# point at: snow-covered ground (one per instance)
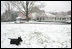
(36, 35)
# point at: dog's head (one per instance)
(19, 38)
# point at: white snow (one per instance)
(36, 35)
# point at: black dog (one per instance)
(16, 41)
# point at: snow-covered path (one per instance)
(36, 35)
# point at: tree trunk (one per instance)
(27, 11)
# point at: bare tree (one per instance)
(25, 7)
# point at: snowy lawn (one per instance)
(36, 35)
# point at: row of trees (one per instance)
(9, 16)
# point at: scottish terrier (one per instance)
(16, 41)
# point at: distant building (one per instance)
(51, 17)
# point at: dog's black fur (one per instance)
(16, 41)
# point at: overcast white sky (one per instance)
(57, 6)
(54, 6)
